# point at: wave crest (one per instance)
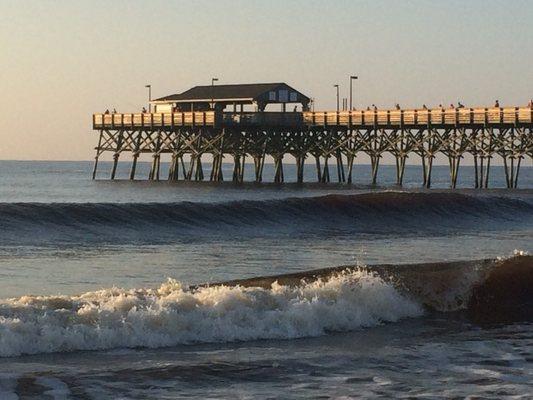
(378, 213)
(173, 314)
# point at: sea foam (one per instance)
(174, 314)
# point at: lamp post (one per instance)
(351, 91)
(213, 80)
(149, 97)
(337, 86)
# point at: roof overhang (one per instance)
(248, 99)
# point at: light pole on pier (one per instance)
(351, 90)
(337, 86)
(149, 97)
(213, 80)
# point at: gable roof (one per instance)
(225, 92)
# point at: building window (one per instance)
(283, 96)
(272, 96)
(294, 97)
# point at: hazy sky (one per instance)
(63, 60)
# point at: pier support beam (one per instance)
(400, 168)
(98, 152)
(115, 164)
(349, 161)
(278, 168)
(427, 169)
(454, 161)
(300, 162)
(133, 166)
(238, 167)
(325, 170)
(374, 161)
(341, 177)
(173, 171)
(511, 166)
(318, 168)
(156, 165)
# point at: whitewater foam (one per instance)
(173, 314)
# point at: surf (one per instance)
(288, 306)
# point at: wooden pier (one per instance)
(326, 137)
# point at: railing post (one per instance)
(516, 119)
(486, 116)
(416, 117)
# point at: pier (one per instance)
(332, 139)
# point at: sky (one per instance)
(61, 61)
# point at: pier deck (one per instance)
(481, 132)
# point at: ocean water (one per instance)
(96, 303)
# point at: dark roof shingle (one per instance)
(221, 92)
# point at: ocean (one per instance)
(111, 289)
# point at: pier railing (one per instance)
(361, 118)
(151, 120)
(450, 116)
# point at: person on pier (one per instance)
(452, 106)
(144, 110)
(114, 110)
(398, 106)
(424, 107)
(497, 104)
(374, 107)
(106, 111)
(460, 105)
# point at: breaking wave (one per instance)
(174, 314)
(376, 213)
(287, 306)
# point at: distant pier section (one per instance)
(212, 120)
